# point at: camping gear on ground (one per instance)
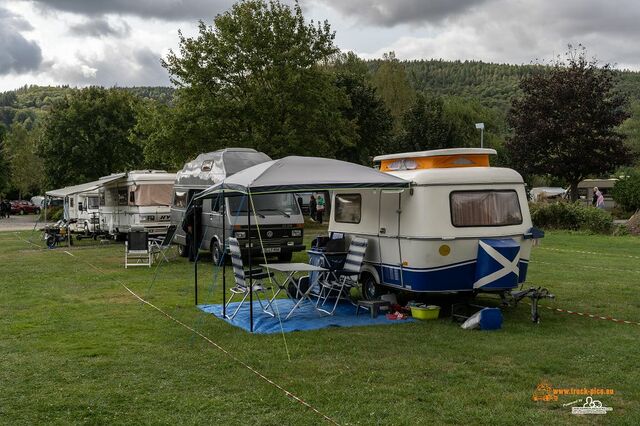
(241, 288)
(374, 306)
(55, 234)
(336, 282)
(485, 319)
(159, 246)
(390, 297)
(137, 249)
(292, 286)
(306, 317)
(425, 312)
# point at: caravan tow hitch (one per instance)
(535, 294)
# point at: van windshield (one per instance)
(266, 205)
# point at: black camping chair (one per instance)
(137, 249)
(343, 280)
(159, 246)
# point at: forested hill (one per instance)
(24, 105)
(494, 85)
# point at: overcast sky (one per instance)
(120, 42)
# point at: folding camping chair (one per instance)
(343, 279)
(241, 276)
(159, 246)
(137, 250)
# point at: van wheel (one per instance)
(371, 290)
(216, 253)
(285, 257)
(183, 251)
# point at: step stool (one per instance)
(374, 306)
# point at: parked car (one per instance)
(24, 207)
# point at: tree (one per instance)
(393, 86)
(423, 125)
(626, 191)
(86, 136)
(4, 164)
(565, 124)
(24, 164)
(366, 111)
(254, 79)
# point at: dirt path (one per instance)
(19, 223)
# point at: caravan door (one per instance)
(388, 238)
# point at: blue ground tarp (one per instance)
(306, 317)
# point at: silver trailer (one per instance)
(279, 218)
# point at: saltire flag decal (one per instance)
(498, 264)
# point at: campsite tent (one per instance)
(294, 174)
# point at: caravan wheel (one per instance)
(370, 288)
(183, 251)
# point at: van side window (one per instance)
(180, 199)
(132, 197)
(348, 208)
(485, 208)
(216, 204)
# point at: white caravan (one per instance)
(463, 226)
(140, 198)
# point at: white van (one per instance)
(278, 215)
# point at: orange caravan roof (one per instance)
(435, 159)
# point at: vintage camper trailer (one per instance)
(463, 226)
(279, 216)
(140, 198)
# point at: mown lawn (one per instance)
(76, 347)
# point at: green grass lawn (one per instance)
(76, 347)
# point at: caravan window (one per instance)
(485, 208)
(122, 196)
(158, 194)
(180, 199)
(101, 196)
(348, 208)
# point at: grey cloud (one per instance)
(395, 12)
(17, 54)
(120, 66)
(163, 9)
(100, 27)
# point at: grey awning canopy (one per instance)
(304, 174)
(83, 187)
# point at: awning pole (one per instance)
(222, 256)
(193, 247)
(249, 207)
(45, 209)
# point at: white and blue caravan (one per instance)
(463, 226)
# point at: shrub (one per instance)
(573, 216)
(626, 192)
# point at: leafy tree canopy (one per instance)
(565, 124)
(254, 79)
(86, 136)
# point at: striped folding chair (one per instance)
(241, 277)
(341, 282)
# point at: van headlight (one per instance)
(240, 234)
(296, 232)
